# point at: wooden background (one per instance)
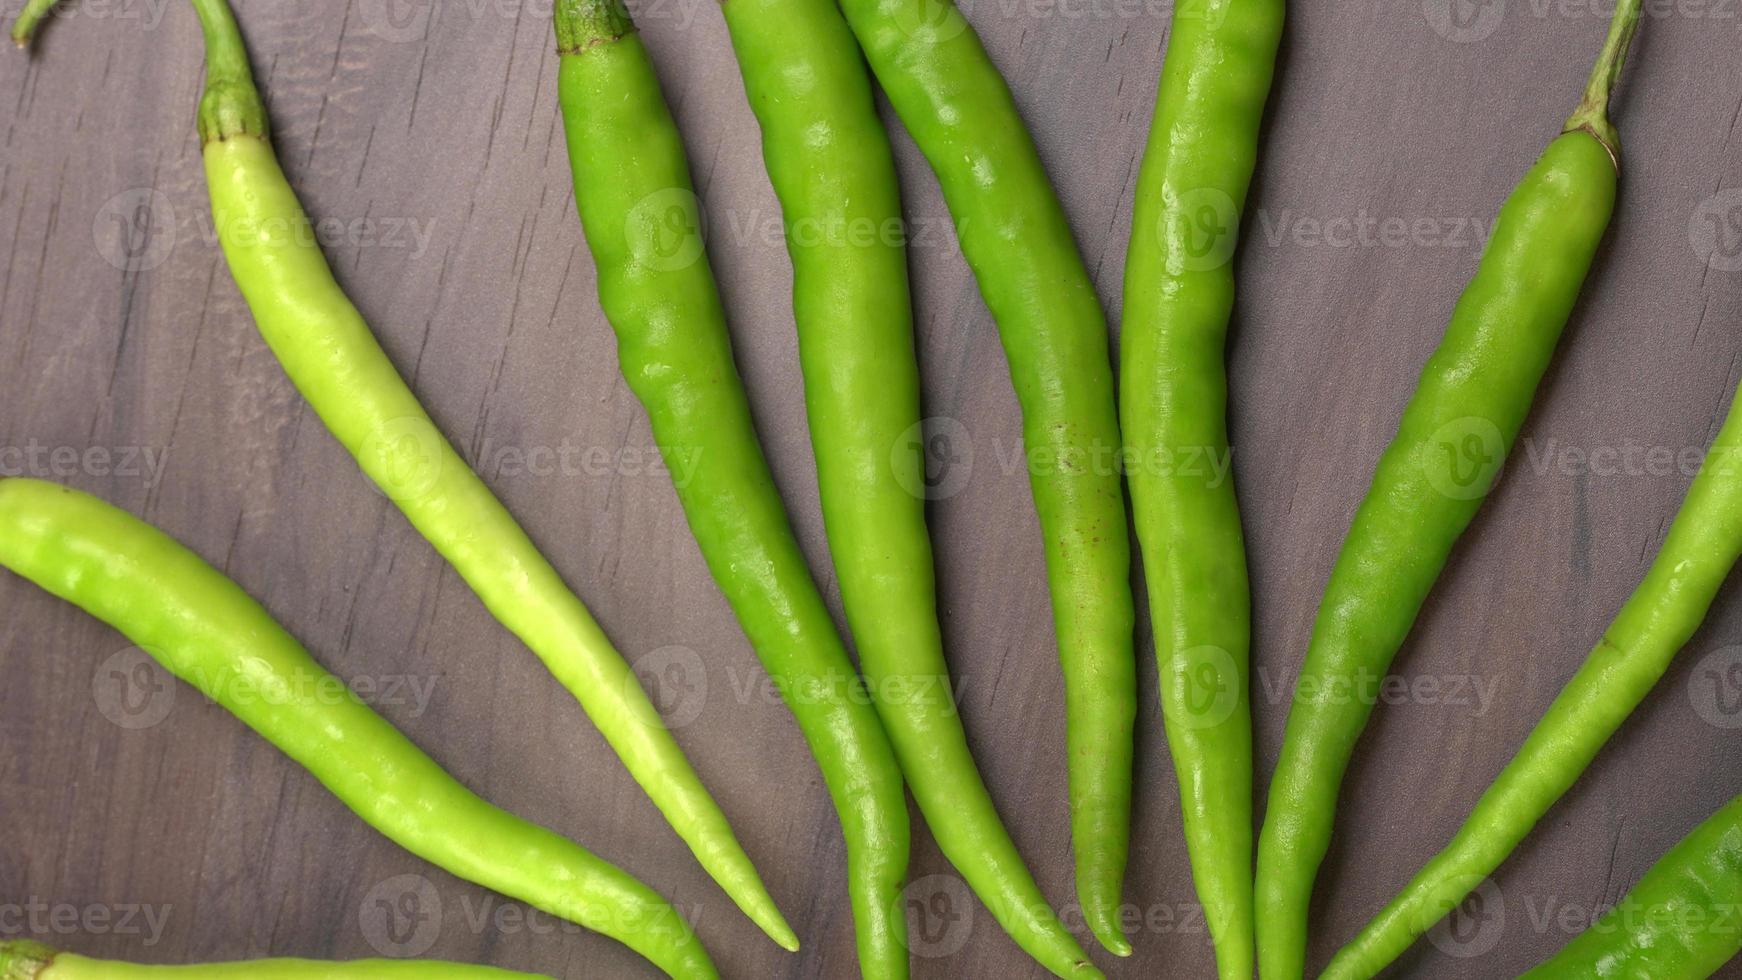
(429, 133)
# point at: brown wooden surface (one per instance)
(445, 125)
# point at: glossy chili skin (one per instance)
(828, 157)
(1683, 921)
(632, 187)
(1179, 296)
(205, 630)
(333, 358)
(20, 960)
(1455, 433)
(1701, 549)
(1013, 231)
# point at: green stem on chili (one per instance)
(1179, 296)
(642, 224)
(206, 631)
(1454, 436)
(828, 157)
(24, 960)
(1660, 617)
(1016, 238)
(1678, 923)
(338, 365)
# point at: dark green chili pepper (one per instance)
(1681, 922)
(1015, 236)
(337, 364)
(830, 162)
(23, 960)
(1455, 435)
(205, 630)
(632, 187)
(1659, 618)
(1179, 295)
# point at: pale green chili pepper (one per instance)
(335, 361)
(205, 630)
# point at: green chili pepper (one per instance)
(1179, 295)
(1015, 236)
(1454, 437)
(335, 361)
(23, 960)
(1659, 618)
(205, 630)
(830, 162)
(1681, 922)
(632, 188)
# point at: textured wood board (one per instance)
(429, 134)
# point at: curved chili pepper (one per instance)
(205, 630)
(24, 960)
(1455, 434)
(337, 364)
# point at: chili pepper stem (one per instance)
(1592, 115)
(580, 24)
(21, 959)
(22, 30)
(231, 105)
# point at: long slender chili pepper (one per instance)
(205, 630)
(829, 159)
(1681, 922)
(1455, 433)
(23, 960)
(1659, 618)
(1015, 236)
(1179, 295)
(335, 361)
(632, 187)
